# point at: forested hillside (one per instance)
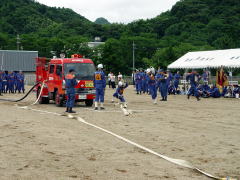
(190, 25)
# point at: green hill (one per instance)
(102, 21)
(189, 25)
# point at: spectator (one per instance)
(113, 77)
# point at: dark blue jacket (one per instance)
(99, 80)
(71, 82)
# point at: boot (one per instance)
(67, 109)
(96, 106)
(101, 106)
(188, 96)
(198, 98)
(165, 99)
(71, 111)
(155, 101)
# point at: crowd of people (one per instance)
(151, 81)
(11, 82)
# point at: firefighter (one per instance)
(194, 78)
(15, 85)
(20, 82)
(119, 93)
(99, 85)
(1, 82)
(163, 78)
(10, 86)
(71, 82)
(4, 83)
(152, 84)
(138, 79)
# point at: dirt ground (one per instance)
(39, 145)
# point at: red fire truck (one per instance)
(52, 72)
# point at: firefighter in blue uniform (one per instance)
(152, 84)
(205, 76)
(164, 80)
(144, 83)
(71, 82)
(1, 82)
(20, 82)
(176, 80)
(138, 79)
(214, 92)
(158, 77)
(194, 78)
(119, 93)
(15, 86)
(10, 86)
(100, 85)
(169, 78)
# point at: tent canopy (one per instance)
(229, 58)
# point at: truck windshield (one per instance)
(83, 71)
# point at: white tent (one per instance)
(229, 58)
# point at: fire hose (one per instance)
(27, 94)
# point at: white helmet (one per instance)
(148, 70)
(120, 83)
(152, 70)
(100, 66)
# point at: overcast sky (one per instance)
(123, 11)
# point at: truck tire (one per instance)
(89, 103)
(58, 100)
(42, 100)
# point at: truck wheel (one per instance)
(42, 100)
(58, 100)
(89, 103)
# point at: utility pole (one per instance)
(18, 42)
(133, 56)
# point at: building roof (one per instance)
(229, 58)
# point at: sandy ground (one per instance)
(36, 145)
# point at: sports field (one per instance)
(38, 144)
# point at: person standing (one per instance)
(1, 82)
(163, 78)
(100, 85)
(113, 79)
(71, 82)
(120, 76)
(193, 77)
(4, 83)
(176, 80)
(20, 82)
(10, 87)
(152, 84)
(15, 86)
(109, 79)
(138, 78)
(205, 76)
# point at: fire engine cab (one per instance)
(53, 71)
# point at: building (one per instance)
(96, 43)
(11, 60)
